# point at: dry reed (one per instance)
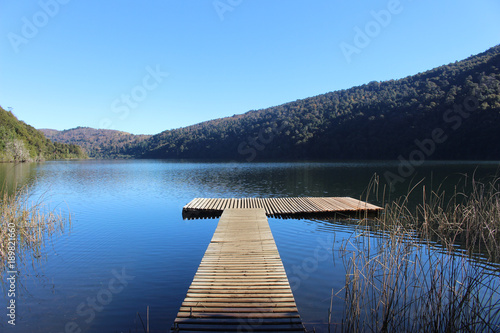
(429, 268)
(27, 225)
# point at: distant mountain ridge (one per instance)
(98, 143)
(450, 112)
(378, 120)
(20, 142)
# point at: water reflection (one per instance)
(127, 214)
(16, 175)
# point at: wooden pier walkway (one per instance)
(241, 284)
(282, 207)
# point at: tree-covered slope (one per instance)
(450, 112)
(20, 142)
(98, 143)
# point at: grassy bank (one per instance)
(429, 267)
(25, 227)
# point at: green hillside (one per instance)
(456, 106)
(20, 142)
(450, 112)
(98, 143)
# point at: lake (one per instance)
(128, 246)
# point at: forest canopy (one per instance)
(20, 142)
(450, 112)
(378, 120)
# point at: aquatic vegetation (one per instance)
(25, 227)
(433, 267)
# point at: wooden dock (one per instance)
(241, 284)
(282, 207)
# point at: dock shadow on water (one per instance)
(429, 267)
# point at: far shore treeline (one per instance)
(451, 112)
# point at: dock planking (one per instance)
(298, 207)
(241, 284)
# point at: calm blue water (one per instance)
(128, 247)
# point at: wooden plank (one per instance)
(230, 321)
(276, 207)
(218, 205)
(344, 204)
(240, 270)
(242, 274)
(208, 203)
(241, 278)
(239, 293)
(203, 203)
(212, 300)
(260, 315)
(280, 207)
(264, 205)
(212, 204)
(193, 203)
(233, 308)
(306, 205)
(285, 206)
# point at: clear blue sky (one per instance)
(147, 66)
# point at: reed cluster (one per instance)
(429, 267)
(25, 226)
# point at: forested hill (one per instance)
(456, 106)
(20, 142)
(99, 143)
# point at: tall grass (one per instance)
(429, 267)
(27, 224)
